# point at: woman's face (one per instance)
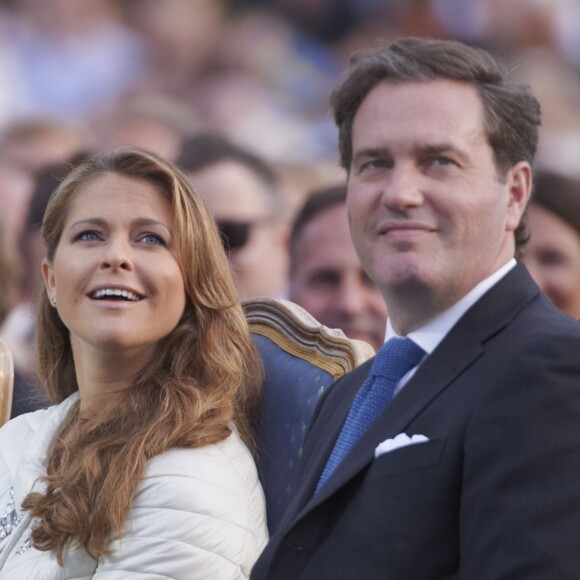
(115, 276)
(553, 258)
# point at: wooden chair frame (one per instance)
(6, 382)
(311, 358)
(297, 332)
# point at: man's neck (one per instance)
(405, 320)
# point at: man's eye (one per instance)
(324, 279)
(374, 164)
(88, 236)
(441, 161)
(552, 258)
(153, 239)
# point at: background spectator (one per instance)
(16, 187)
(155, 122)
(553, 252)
(36, 143)
(242, 192)
(73, 56)
(326, 276)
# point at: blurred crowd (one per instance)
(259, 71)
(80, 76)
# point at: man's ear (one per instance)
(519, 188)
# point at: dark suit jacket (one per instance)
(494, 494)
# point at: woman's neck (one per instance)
(102, 373)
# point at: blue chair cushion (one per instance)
(292, 387)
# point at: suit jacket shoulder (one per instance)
(493, 493)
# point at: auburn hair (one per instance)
(206, 373)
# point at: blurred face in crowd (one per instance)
(553, 258)
(430, 216)
(255, 241)
(16, 188)
(143, 132)
(327, 279)
(48, 148)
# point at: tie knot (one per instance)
(396, 358)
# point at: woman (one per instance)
(553, 253)
(142, 469)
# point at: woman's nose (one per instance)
(117, 256)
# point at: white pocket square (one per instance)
(401, 440)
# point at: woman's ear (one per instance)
(49, 281)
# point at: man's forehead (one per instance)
(407, 98)
(327, 237)
(430, 113)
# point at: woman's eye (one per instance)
(88, 236)
(153, 239)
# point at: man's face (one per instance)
(328, 280)
(234, 193)
(429, 215)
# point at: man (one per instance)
(326, 276)
(241, 191)
(471, 470)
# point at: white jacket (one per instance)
(197, 513)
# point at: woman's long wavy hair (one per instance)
(206, 373)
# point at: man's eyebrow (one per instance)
(370, 152)
(421, 148)
(440, 148)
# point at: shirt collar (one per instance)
(431, 334)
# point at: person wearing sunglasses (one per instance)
(242, 193)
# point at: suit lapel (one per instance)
(459, 349)
(432, 377)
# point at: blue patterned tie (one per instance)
(395, 359)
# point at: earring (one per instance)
(53, 300)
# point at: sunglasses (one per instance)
(235, 235)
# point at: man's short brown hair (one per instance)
(511, 112)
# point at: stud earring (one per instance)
(53, 300)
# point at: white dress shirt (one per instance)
(431, 334)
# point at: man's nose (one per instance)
(349, 297)
(402, 187)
